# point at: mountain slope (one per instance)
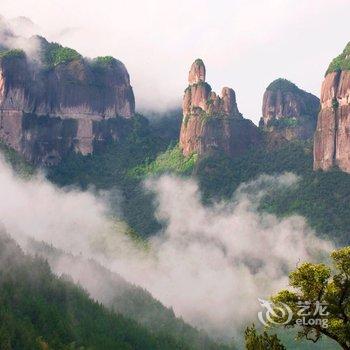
(41, 311)
(122, 297)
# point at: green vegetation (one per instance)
(341, 62)
(319, 284)
(321, 197)
(104, 60)
(172, 160)
(55, 54)
(18, 163)
(219, 176)
(41, 311)
(202, 84)
(284, 85)
(264, 341)
(199, 61)
(110, 167)
(284, 123)
(129, 300)
(335, 104)
(12, 54)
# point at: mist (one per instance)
(210, 264)
(244, 44)
(18, 34)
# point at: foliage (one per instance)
(110, 167)
(264, 341)
(341, 62)
(15, 53)
(335, 103)
(18, 163)
(172, 160)
(104, 60)
(55, 54)
(219, 176)
(199, 61)
(283, 85)
(129, 300)
(320, 284)
(322, 198)
(286, 122)
(41, 311)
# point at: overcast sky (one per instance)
(245, 44)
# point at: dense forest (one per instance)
(321, 197)
(150, 150)
(39, 310)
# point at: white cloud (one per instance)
(210, 263)
(245, 44)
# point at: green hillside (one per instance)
(39, 310)
(127, 299)
(321, 197)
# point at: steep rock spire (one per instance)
(213, 122)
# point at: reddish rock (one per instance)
(76, 94)
(212, 122)
(288, 113)
(332, 136)
(197, 72)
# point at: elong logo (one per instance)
(309, 314)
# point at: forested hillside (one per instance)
(39, 310)
(321, 197)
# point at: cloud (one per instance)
(18, 34)
(210, 263)
(245, 44)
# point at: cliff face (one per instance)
(212, 122)
(332, 136)
(75, 93)
(288, 113)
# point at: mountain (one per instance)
(122, 297)
(39, 310)
(332, 137)
(56, 101)
(288, 113)
(212, 122)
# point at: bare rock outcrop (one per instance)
(76, 93)
(288, 113)
(213, 122)
(332, 136)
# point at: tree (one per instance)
(318, 286)
(265, 341)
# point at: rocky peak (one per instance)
(213, 122)
(229, 104)
(197, 72)
(73, 93)
(288, 112)
(332, 136)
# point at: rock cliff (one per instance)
(53, 104)
(332, 136)
(212, 122)
(288, 113)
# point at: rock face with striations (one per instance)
(212, 122)
(332, 136)
(288, 113)
(61, 101)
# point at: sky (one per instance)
(245, 44)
